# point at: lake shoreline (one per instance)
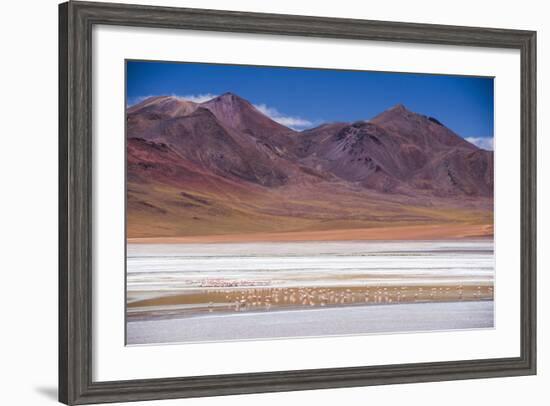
(398, 233)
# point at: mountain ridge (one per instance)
(259, 175)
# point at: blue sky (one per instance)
(303, 98)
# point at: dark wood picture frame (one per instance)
(76, 20)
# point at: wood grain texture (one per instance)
(76, 20)
(63, 364)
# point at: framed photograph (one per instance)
(257, 203)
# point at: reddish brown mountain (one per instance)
(225, 136)
(423, 131)
(163, 107)
(222, 166)
(235, 112)
(401, 151)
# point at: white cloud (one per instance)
(296, 123)
(197, 98)
(482, 142)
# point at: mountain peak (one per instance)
(228, 97)
(418, 128)
(398, 112)
(171, 106)
(399, 108)
(236, 112)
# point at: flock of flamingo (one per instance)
(254, 299)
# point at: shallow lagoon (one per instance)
(174, 283)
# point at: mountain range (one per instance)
(224, 167)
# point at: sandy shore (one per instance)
(310, 323)
(420, 232)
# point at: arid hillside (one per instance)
(223, 168)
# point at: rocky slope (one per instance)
(222, 166)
